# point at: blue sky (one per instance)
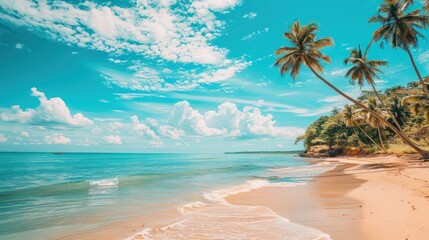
(172, 75)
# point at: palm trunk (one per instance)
(372, 140)
(357, 135)
(425, 89)
(424, 154)
(381, 140)
(386, 108)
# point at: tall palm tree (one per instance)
(305, 50)
(374, 105)
(350, 120)
(366, 70)
(401, 28)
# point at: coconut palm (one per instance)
(365, 70)
(425, 4)
(373, 121)
(398, 110)
(350, 120)
(305, 50)
(401, 27)
(418, 104)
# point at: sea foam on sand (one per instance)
(215, 218)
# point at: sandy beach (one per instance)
(384, 197)
(377, 197)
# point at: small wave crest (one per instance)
(105, 183)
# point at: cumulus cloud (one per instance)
(116, 140)
(191, 121)
(151, 28)
(143, 129)
(25, 134)
(57, 138)
(2, 138)
(228, 121)
(51, 111)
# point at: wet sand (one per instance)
(322, 204)
(384, 197)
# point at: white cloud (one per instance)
(116, 140)
(19, 46)
(25, 134)
(228, 121)
(250, 15)
(423, 59)
(254, 34)
(338, 72)
(57, 138)
(191, 121)
(51, 111)
(144, 78)
(156, 144)
(143, 129)
(2, 138)
(150, 28)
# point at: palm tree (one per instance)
(398, 110)
(365, 69)
(305, 50)
(400, 27)
(418, 104)
(374, 105)
(425, 4)
(350, 120)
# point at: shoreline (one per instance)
(381, 197)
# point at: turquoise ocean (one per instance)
(44, 195)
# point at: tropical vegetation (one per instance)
(375, 120)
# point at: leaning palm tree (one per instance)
(350, 120)
(371, 120)
(401, 28)
(305, 50)
(365, 70)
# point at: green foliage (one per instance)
(350, 128)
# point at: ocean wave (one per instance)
(303, 173)
(105, 183)
(215, 218)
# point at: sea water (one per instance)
(43, 195)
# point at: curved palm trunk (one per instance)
(423, 153)
(372, 140)
(381, 139)
(425, 89)
(386, 108)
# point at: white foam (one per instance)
(190, 206)
(304, 173)
(218, 196)
(105, 183)
(217, 219)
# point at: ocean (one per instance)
(45, 195)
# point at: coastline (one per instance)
(377, 197)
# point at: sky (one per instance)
(173, 75)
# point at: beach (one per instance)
(377, 197)
(255, 197)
